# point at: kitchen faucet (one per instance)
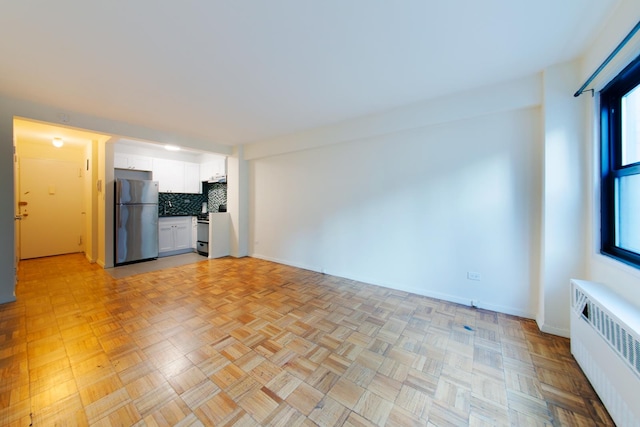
(167, 202)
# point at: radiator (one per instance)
(605, 340)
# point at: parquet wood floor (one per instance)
(244, 342)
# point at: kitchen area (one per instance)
(183, 194)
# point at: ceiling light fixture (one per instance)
(57, 142)
(170, 147)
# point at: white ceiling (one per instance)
(241, 71)
(43, 133)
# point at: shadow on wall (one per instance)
(415, 210)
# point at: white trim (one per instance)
(417, 291)
(554, 330)
(289, 263)
(614, 263)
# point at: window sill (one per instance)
(615, 263)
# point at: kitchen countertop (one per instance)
(169, 215)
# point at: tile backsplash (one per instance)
(180, 203)
(217, 195)
(214, 195)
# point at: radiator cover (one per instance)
(605, 340)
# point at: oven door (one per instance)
(203, 231)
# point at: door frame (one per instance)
(17, 212)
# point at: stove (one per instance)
(202, 244)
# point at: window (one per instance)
(620, 134)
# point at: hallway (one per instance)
(250, 342)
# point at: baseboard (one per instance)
(553, 330)
(418, 291)
(292, 264)
(439, 295)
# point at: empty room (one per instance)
(337, 213)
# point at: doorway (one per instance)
(50, 201)
(58, 188)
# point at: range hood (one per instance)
(219, 178)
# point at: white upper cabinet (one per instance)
(191, 177)
(212, 167)
(175, 176)
(169, 174)
(120, 161)
(175, 173)
(132, 161)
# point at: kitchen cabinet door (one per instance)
(132, 161)
(183, 234)
(169, 174)
(194, 232)
(213, 168)
(205, 171)
(220, 167)
(192, 178)
(165, 236)
(174, 235)
(140, 163)
(120, 161)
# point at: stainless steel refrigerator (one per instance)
(136, 221)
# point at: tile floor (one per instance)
(123, 271)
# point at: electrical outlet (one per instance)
(474, 275)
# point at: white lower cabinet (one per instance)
(174, 235)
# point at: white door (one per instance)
(51, 195)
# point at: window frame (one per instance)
(611, 160)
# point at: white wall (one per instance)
(414, 209)
(564, 197)
(621, 278)
(348, 194)
(92, 241)
(28, 148)
(238, 202)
